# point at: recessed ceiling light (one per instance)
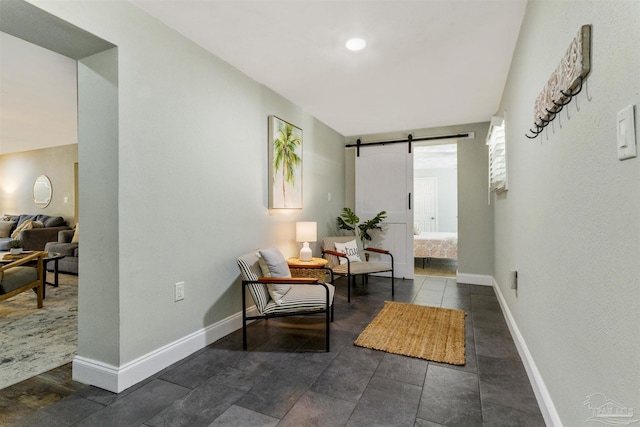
(355, 44)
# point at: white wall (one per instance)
(570, 222)
(189, 187)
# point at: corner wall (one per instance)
(189, 192)
(570, 222)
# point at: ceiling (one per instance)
(427, 63)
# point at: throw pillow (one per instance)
(263, 265)
(5, 228)
(277, 267)
(27, 225)
(76, 234)
(350, 249)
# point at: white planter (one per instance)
(16, 251)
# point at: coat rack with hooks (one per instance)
(565, 82)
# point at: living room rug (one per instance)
(425, 332)
(32, 340)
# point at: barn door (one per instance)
(384, 182)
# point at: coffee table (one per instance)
(55, 257)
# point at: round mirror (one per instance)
(42, 191)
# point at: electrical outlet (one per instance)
(179, 291)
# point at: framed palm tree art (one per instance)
(285, 165)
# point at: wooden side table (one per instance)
(313, 268)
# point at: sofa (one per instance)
(33, 239)
(68, 248)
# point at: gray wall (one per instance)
(475, 216)
(180, 190)
(18, 171)
(570, 221)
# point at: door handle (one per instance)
(409, 201)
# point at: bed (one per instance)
(435, 245)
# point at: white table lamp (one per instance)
(306, 232)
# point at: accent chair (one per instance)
(17, 277)
(282, 296)
(351, 260)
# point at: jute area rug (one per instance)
(430, 333)
(32, 340)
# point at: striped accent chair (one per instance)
(306, 295)
(350, 268)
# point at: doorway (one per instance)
(97, 69)
(436, 209)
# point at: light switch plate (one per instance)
(626, 132)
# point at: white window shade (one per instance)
(497, 156)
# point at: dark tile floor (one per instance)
(285, 378)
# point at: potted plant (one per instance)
(15, 246)
(348, 220)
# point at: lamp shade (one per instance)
(306, 231)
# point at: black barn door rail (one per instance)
(410, 139)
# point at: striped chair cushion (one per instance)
(302, 298)
(299, 297)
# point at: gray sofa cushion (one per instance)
(66, 249)
(4, 243)
(46, 220)
(16, 277)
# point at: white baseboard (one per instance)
(119, 378)
(474, 279)
(543, 397)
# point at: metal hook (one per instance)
(553, 114)
(546, 122)
(571, 95)
(561, 104)
(535, 132)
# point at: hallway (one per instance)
(286, 379)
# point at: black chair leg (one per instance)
(393, 289)
(328, 329)
(244, 335)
